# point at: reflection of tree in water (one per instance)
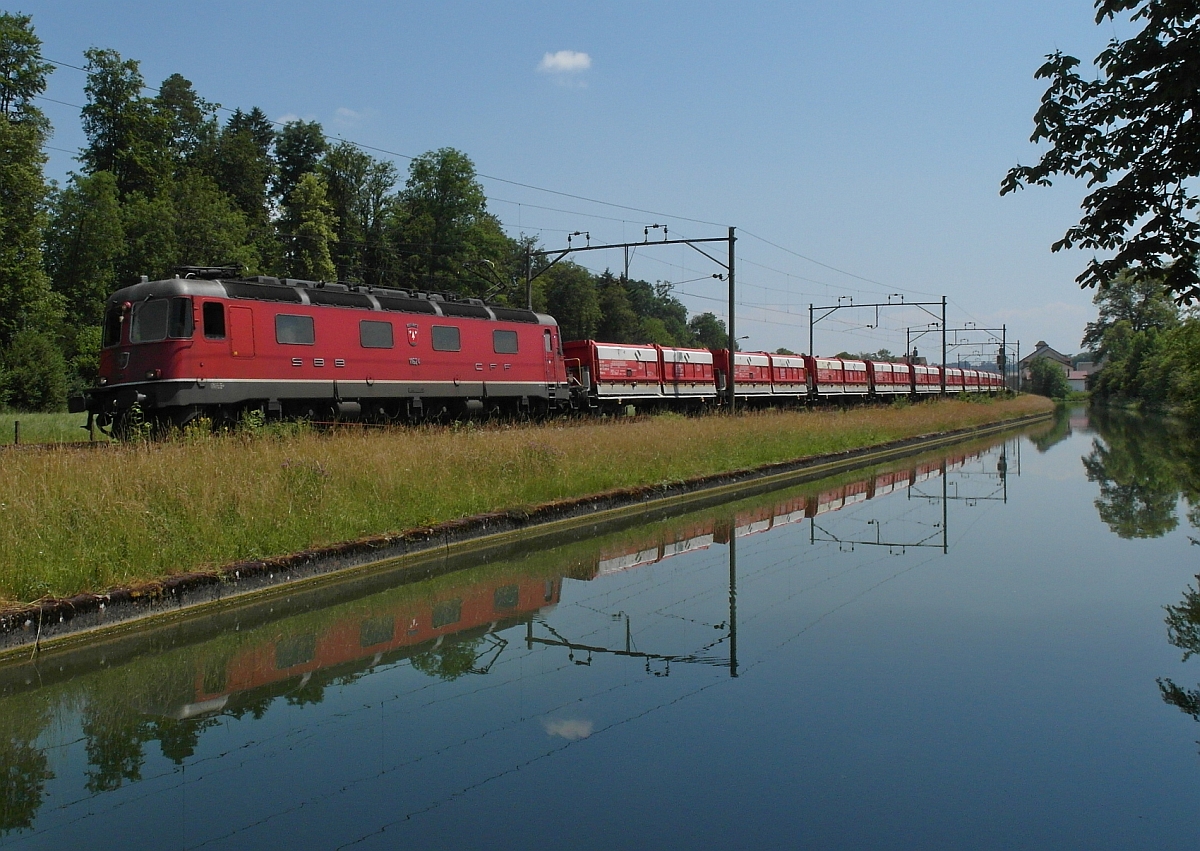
(24, 768)
(130, 707)
(1060, 430)
(1183, 630)
(1143, 466)
(449, 661)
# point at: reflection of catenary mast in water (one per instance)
(766, 517)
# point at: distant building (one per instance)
(1043, 350)
(1077, 379)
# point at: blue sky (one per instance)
(869, 136)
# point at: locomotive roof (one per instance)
(288, 290)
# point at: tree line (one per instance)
(168, 179)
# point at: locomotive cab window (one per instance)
(149, 321)
(112, 326)
(504, 342)
(180, 323)
(294, 330)
(213, 316)
(375, 335)
(446, 339)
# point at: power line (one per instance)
(561, 194)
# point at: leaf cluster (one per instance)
(1133, 134)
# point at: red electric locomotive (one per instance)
(215, 346)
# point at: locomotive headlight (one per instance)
(154, 373)
(103, 381)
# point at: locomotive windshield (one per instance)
(159, 318)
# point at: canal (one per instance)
(985, 647)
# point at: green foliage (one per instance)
(25, 295)
(188, 122)
(441, 219)
(360, 195)
(209, 229)
(1130, 131)
(23, 72)
(784, 351)
(709, 331)
(126, 135)
(298, 151)
(84, 243)
(310, 223)
(618, 321)
(571, 297)
(33, 374)
(1047, 378)
(1137, 299)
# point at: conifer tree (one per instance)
(25, 296)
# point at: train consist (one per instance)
(216, 346)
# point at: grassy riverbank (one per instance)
(87, 521)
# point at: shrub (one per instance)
(33, 374)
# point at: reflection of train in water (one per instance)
(371, 635)
(431, 619)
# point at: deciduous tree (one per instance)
(1133, 133)
(310, 228)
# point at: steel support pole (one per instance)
(810, 331)
(1004, 351)
(732, 333)
(943, 345)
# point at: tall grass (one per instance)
(72, 521)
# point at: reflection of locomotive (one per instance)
(209, 345)
(373, 635)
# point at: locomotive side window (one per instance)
(446, 339)
(375, 335)
(504, 342)
(549, 344)
(294, 330)
(180, 323)
(112, 326)
(214, 320)
(149, 321)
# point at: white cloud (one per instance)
(287, 118)
(348, 114)
(571, 730)
(565, 62)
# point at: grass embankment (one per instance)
(46, 428)
(72, 522)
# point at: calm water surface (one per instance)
(981, 649)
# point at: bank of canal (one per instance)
(860, 433)
(983, 647)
